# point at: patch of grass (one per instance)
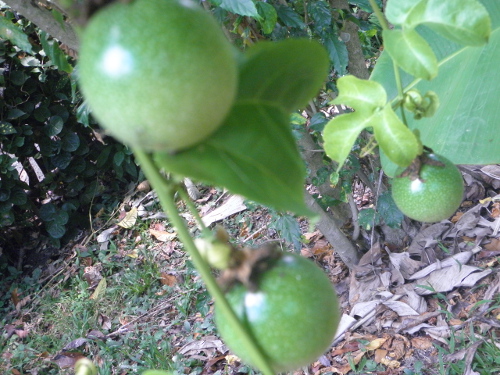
(160, 317)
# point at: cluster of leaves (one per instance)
(52, 166)
(466, 22)
(277, 20)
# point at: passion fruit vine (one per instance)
(430, 190)
(159, 75)
(292, 313)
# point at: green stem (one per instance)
(397, 76)
(166, 190)
(399, 85)
(191, 207)
(380, 16)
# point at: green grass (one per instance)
(63, 312)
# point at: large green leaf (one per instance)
(411, 52)
(287, 73)
(463, 21)
(253, 154)
(52, 50)
(15, 34)
(241, 7)
(465, 127)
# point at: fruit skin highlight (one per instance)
(433, 197)
(293, 315)
(158, 75)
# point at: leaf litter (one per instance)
(400, 305)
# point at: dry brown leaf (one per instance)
(422, 343)
(162, 236)
(67, 359)
(104, 321)
(14, 297)
(166, 279)
(375, 344)
(75, 344)
(380, 355)
(494, 245)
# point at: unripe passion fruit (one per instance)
(159, 75)
(293, 315)
(434, 196)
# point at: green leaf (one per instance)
(253, 154)
(411, 52)
(118, 158)
(465, 127)
(70, 142)
(287, 73)
(367, 218)
(241, 7)
(387, 209)
(337, 51)
(15, 34)
(268, 17)
(397, 141)
(398, 11)
(321, 13)
(462, 21)
(61, 160)
(47, 212)
(289, 17)
(55, 229)
(341, 133)
(18, 196)
(289, 229)
(360, 94)
(6, 128)
(15, 113)
(54, 126)
(54, 53)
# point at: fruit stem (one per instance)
(191, 207)
(166, 191)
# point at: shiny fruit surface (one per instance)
(292, 316)
(158, 75)
(434, 196)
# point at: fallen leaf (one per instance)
(162, 235)
(67, 359)
(75, 344)
(99, 291)
(130, 218)
(375, 344)
(167, 279)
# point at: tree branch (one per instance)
(45, 21)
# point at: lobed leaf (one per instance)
(340, 134)
(360, 94)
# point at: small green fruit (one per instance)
(293, 315)
(159, 75)
(435, 196)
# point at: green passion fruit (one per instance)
(158, 75)
(292, 315)
(433, 196)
